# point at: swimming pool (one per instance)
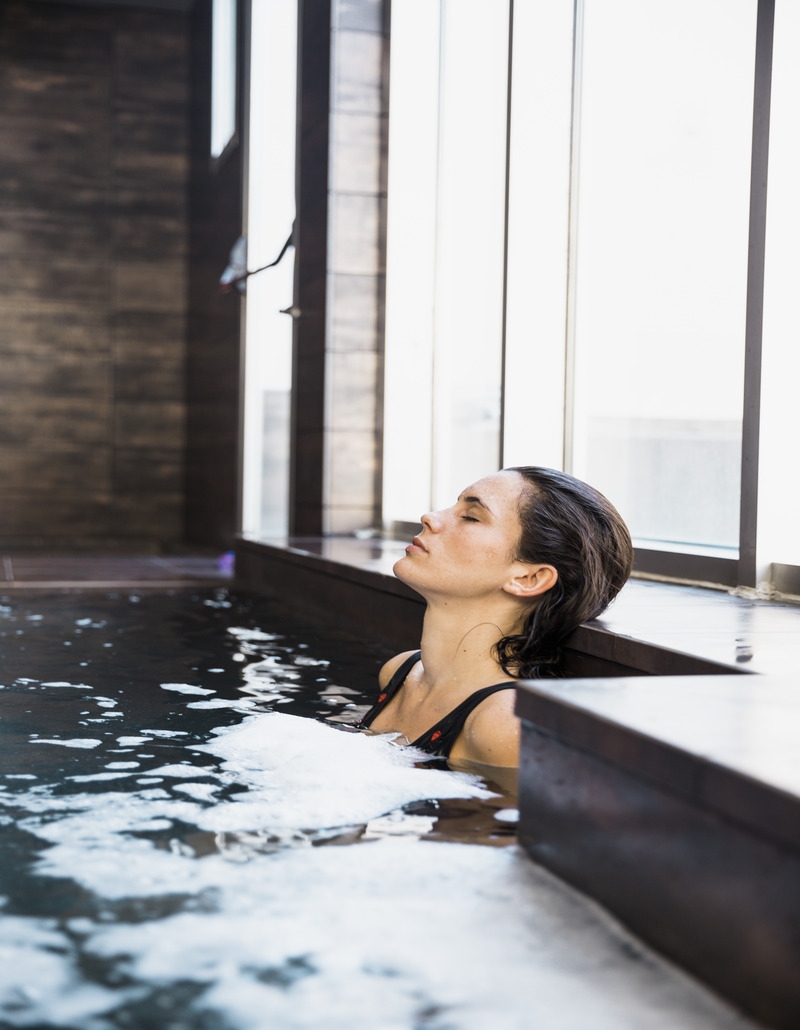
(189, 840)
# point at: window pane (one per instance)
(445, 243)
(410, 259)
(470, 244)
(538, 233)
(270, 213)
(665, 126)
(223, 75)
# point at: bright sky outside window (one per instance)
(665, 128)
(628, 208)
(223, 75)
(538, 233)
(270, 214)
(445, 245)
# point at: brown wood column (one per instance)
(93, 226)
(311, 242)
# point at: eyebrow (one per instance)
(471, 499)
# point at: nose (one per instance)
(431, 520)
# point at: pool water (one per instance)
(193, 835)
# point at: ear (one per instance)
(529, 581)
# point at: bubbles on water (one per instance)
(81, 742)
(185, 688)
(252, 635)
(219, 881)
(507, 815)
(61, 683)
(97, 777)
(234, 705)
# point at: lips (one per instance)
(417, 544)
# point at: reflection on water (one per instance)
(192, 836)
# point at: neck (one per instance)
(458, 639)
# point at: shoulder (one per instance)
(391, 667)
(491, 733)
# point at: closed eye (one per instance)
(468, 518)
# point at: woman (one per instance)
(508, 572)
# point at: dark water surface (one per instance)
(108, 695)
(193, 836)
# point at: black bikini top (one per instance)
(439, 739)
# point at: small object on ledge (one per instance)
(225, 563)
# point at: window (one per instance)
(269, 218)
(579, 248)
(223, 76)
(445, 249)
(664, 119)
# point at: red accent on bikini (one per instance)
(381, 699)
(436, 735)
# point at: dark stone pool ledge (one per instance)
(662, 779)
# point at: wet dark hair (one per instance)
(567, 524)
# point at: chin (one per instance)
(404, 571)
(399, 566)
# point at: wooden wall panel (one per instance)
(94, 166)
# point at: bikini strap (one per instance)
(439, 739)
(390, 689)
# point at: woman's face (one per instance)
(469, 549)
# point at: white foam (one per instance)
(185, 688)
(189, 772)
(85, 742)
(241, 704)
(507, 815)
(200, 791)
(375, 935)
(284, 934)
(302, 773)
(250, 635)
(39, 980)
(61, 683)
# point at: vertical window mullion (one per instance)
(748, 571)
